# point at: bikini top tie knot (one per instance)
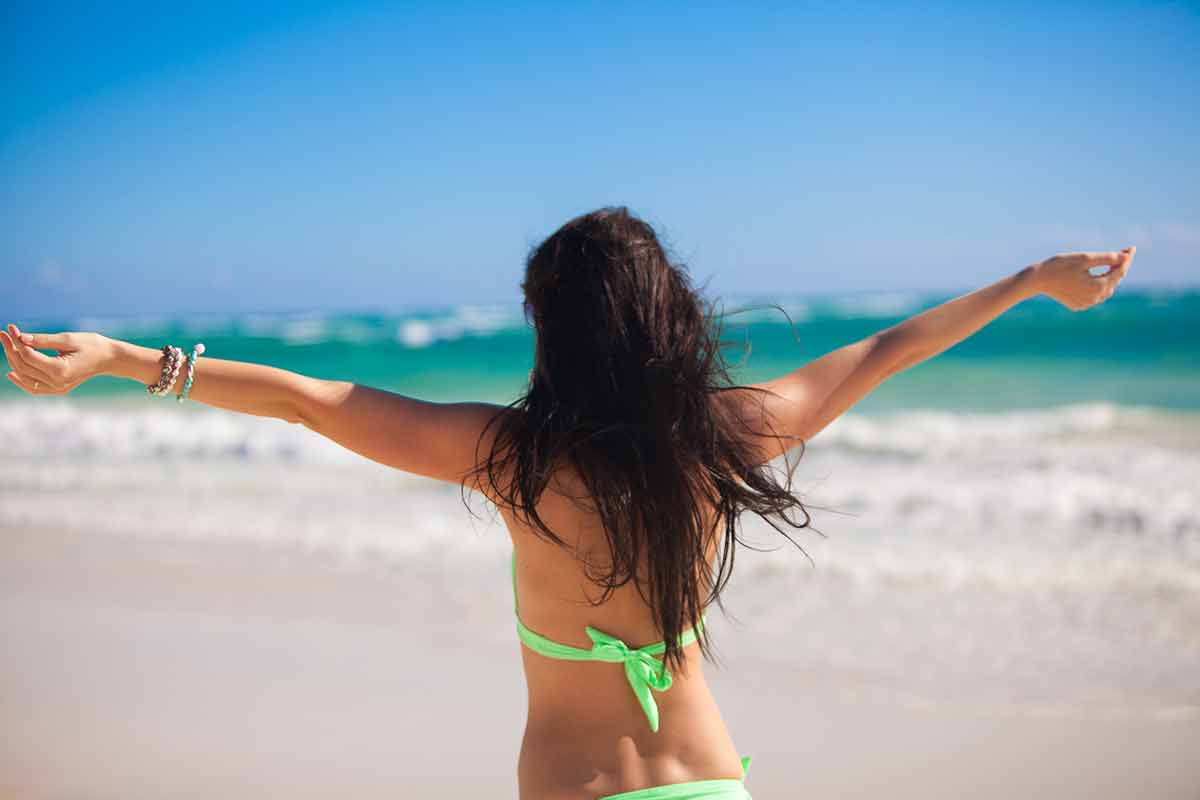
(644, 672)
(642, 669)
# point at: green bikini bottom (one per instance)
(714, 789)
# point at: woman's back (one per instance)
(586, 735)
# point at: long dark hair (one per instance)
(630, 387)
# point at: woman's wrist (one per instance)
(1029, 280)
(128, 360)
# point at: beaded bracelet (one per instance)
(197, 350)
(170, 371)
(164, 376)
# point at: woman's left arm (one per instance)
(437, 440)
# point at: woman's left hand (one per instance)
(80, 356)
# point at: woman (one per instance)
(625, 466)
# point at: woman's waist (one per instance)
(591, 756)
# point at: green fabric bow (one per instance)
(644, 671)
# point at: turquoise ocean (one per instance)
(1140, 348)
(1015, 521)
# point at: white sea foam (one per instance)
(128, 326)
(1117, 473)
(305, 330)
(765, 311)
(878, 304)
(938, 433)
(1038, 556)
(461, 321)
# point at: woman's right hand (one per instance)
(80, 356)
(1067, 278)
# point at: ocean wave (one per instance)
(937, 433)
(1048, 556)
(118, 326)
(69, 426)
(61, 428)
(764, 311)
(1120, 473)
(412, 329)
(462, 321)
(873, 305)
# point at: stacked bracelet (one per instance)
(197, 350)
(170, 371)
(168, 363)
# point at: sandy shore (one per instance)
(139, 668)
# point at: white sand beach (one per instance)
(135, 667)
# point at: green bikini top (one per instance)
(644, 671)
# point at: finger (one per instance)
(1116, 266)
(16, 353)
(50, 365)
(1122, 265)
(26, 384)
(45, 341)
(1102, 259)
(10, 350)
(1114, 275)
(7, 343)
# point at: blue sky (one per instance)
(232, 157)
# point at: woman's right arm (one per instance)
(798, 405)
(436, 440)
(244, 387)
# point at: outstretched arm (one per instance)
(436, 440)
(798, 405)
(1066, 278)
